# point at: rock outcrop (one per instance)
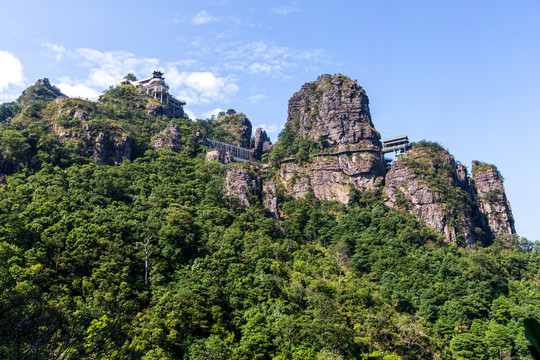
(157, 109)
(169, 139)
(331, 177)
(270, 199)
(427, 182)
(215, 155)
(332, 112)
(240, 182)
(234, 129)
(261, 143)
(333, 109)
(494, 207)
(41, 90)
(330, 147)
(111, 148)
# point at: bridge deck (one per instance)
(389, 149)
(239, 153)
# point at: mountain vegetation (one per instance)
(111, 248)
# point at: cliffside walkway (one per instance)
(239, 153)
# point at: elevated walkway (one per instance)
(239, 153)
(397, 145)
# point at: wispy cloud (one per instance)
(104, 69)
(265, 59)
(257, 98)
(287, 9)
(107, 68)
(53, 51)
(203, 18)
(11, 73)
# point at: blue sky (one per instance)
(463, 73)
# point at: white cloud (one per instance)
(200, 87)
(107, 68)
(184, 63)
(257, 98)
(191, 115)
(11, 70)
(55, 51)
(287, 9)
(211, 113)
(203, 18)
(268, 60)
(78, 90)
(104, 69)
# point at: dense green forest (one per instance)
(147, 259)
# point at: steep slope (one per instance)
(172, 256)
(329, 143)
(427, 182)
(334, 111)
(495, 210)
(233, 128)
(46, 126)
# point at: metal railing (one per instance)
(239, 153)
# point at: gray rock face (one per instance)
(261, 143)
(406, 189)
(215, 155)
(439, 192)
(43, 82)
(239, 182)
(158, 110)
(111, 148)
(336, 109)
(270, 199)
(169, 139)
(331, 177)
(491, 198)
(81, 116)
(234, 129)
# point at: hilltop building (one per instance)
(157, 87)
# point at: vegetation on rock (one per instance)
(149, 260)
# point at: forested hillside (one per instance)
(111, 248)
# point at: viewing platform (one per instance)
(156, 87)
(397, 145)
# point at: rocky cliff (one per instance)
(41, 90)
(260, 143)
(241, 183)
(427, 182)
(233, 128)
(169, 139)
(494, 207)
(332, 140)
(334, 110)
